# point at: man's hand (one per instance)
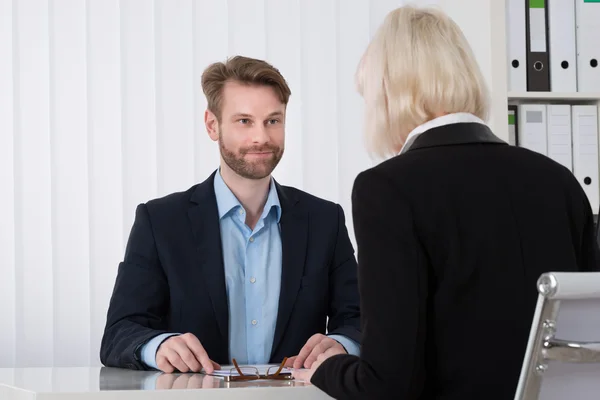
(318, 344)
(184, 353)
(305, 375)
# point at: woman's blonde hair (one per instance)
(418, 66)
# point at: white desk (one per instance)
(98, 383)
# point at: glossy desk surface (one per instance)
(111, 384)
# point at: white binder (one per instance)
(563, 53)
(512, 126)
(588, 47)
(585, 151)
(532, 128)
(516, 47)
(559, 134)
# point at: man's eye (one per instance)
(273, 121)
(244, 120)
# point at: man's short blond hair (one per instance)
(241, 69)
(419, 65)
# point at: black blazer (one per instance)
(452, 236)
(172, 278)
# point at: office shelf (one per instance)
(579, 96)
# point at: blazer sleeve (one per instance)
(344, 302)
(589, 252)
(392, 274)
(139, 301)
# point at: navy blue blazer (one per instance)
(172, 277)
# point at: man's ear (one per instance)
(212, 125)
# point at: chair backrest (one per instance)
(562, 360)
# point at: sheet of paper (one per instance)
(229, 370)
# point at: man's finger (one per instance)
(164, 365)
(196, 347)
(318, 349)
(307, 349)
(186, 355)
(175, 360)
(322, 357)
(332, 351)
(290, 362)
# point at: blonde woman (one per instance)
(453, 231)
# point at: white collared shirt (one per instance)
(436, 122)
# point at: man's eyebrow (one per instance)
(244, 115)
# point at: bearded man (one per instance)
(238, 266)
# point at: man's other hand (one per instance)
(184, 353)
(318, 344)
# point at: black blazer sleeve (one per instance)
(344, 314)
(589, 253)
(139, 300)
(393, 278)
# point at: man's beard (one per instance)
(258, 169)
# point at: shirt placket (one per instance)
(254, 294)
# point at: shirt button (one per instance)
(251, 239)
(254, 322)
(252, 280)
(241, 212)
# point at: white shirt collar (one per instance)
(436, 122)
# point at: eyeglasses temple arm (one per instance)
(235, 364)
(280, 367)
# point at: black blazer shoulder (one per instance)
(430, 144)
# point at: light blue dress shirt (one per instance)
(252, 261)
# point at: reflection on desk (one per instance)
(116, 384)
(119, 379)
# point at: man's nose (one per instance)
(260, 135)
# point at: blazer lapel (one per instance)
(204, 219)
(294, 238)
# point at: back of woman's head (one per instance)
(418, 66)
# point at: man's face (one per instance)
(251, 132)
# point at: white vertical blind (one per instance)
(139, 105)
(211, 42)
(247, 30)
(101, 109)
(69, 179)
(105, 163)
(353, 34)
(7, 183)
(319, 60)
(174, 94)
(283, 50)
(35, 272)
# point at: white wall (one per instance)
(101, 109)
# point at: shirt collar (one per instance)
(226, 200)
(436, 122)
